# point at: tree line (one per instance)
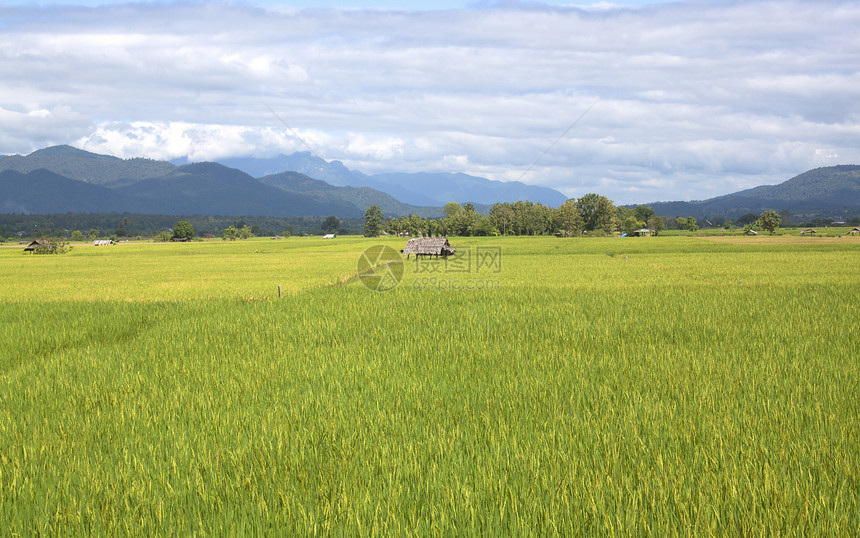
(129, 225)
(589, 214)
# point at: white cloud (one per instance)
(690, 99)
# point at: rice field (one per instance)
(528, 386)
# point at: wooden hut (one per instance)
(644, 232)
(33, 246)
(808, 231)
(428, 246)
(855, 231)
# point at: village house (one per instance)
(428, 246)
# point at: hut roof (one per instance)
(808, 231)
(32, 246)
(855, 231)
(438, 246)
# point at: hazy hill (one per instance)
(205, 189)
(214, 189)
(824, 192)
(87, 167)
(43, 191)
(463, 188)
(833, 185)
(417, 189)
(143, 186)
(362, 197)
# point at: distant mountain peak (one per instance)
(65, 150)
(85, 166)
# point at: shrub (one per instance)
(52, 245)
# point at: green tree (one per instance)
(434, 227)
(93, 234)
(483, 226)
(691, 225)
(122, 231)
(372, 221)
(658, 224)
(163, 236)
(245, 232)
(751, 227)
(643, 213)
(452, 208)
(569, 218)
(230, 233)
(597, 212)
(502, 215)
(631, 224)
(770, 221)
(530, 218)
(77, 235)
(183, 230)
(621, 214)
(331, 224)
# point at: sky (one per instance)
(639, 101)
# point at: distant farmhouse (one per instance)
(46, 246)
(428, 246)
(34, 245)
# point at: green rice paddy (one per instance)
(538, 386)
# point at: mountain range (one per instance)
(63, 179)
(416, 189)
(833, 191)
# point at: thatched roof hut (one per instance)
(34, 245)
(855, 231)
(809, 231)
(428, 246)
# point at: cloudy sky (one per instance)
(640, 101)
